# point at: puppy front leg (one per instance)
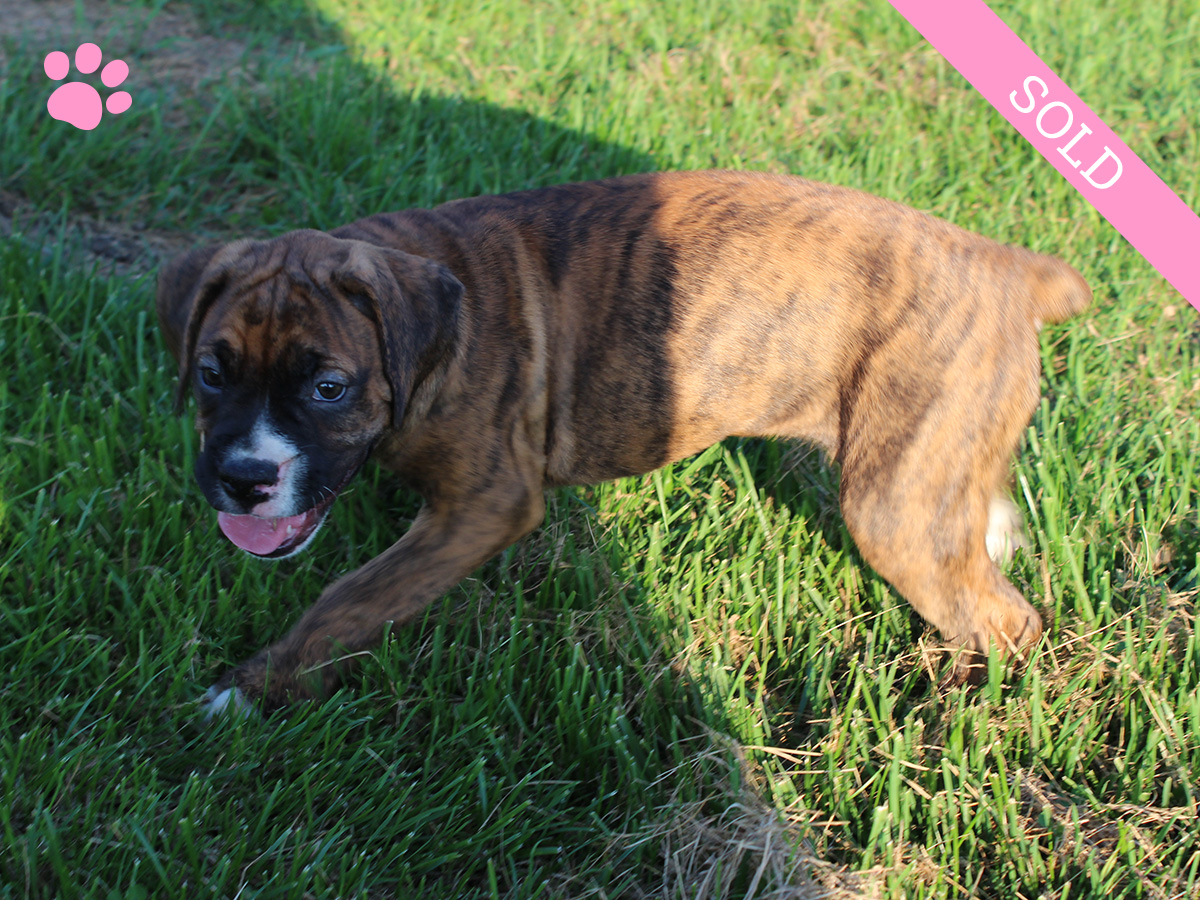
(446, 542)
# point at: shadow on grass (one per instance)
(251, 132)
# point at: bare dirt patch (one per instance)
(167, 48)
(169, 45)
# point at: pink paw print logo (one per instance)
(77, 102)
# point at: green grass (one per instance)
(684, 685)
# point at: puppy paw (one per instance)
(1012, 637)
(261, 686)
(1016, 630)
(226, 702)
(1001, 620)
(967, 669)
(1012, 630)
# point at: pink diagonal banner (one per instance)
(1064, 129)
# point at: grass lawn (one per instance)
(686, 685)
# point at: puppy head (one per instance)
(301, 352)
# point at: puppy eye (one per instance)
(329, 391)
(211, 377)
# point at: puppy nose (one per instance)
(244, 477)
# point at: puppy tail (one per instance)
(1058, 291)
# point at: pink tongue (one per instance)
(259, 536)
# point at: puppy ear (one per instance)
(182, 300)
(415, 304)
(177, 283)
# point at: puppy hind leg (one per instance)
(925, 532)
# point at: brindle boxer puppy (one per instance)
(493, 347)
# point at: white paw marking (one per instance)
(1006, 530)
(229, 702)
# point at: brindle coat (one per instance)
(500, 345)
